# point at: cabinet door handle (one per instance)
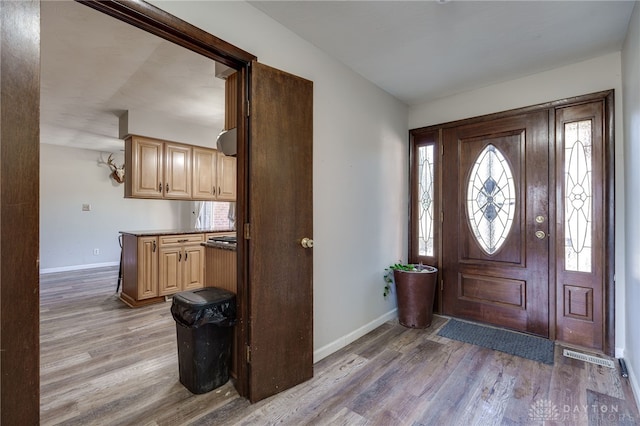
(180, 257)
(219, 191)
(186, 256)
(167, 187)
(154, 246)
(160, 187)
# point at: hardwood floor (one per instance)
(103, 363)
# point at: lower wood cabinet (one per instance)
(155, 266)
(147, 267)
(181, 263)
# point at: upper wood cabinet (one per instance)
(157, 169)
(231, 101)
(214, 175)
(177, 171)
(143, 168)
(171, 170)
(226, 177)
(205, 164)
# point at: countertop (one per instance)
(216, 245)
(174, 232)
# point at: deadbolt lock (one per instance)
(539, 219)
(541, 234)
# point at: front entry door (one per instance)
(495, 182)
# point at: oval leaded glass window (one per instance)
(491, 199)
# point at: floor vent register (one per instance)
(589, 358)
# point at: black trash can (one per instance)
(204, 324)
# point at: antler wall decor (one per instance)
(117, 173)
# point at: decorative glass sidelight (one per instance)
(425, 200)
(578, 195)
(491, 199)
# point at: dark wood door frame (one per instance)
(19, 213)
(607, 97)
(19, 173)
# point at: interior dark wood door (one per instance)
(279, 277)
(496, 222)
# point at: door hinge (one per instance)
(441, 285)
(247, 231)
(442, 150)
(248, 108)
(248, 354)
(441, 217)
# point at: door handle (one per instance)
(306, 242)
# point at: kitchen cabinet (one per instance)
(214, 175)
(139, 268)
(181, 263)
(157, 169)
(147, 267)
(157, 264)
(175, 171)
(226, 177)
(205, 165)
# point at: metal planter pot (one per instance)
(416, 292)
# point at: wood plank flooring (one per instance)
(103, 363)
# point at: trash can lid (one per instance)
(203, 298)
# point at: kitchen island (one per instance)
(221, 269)
(159, 263)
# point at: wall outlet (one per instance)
(96, 252)
(86, 207)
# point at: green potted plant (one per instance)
(415, 290)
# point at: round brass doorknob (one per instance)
(541, 234)
(307, 242)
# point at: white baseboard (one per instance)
(343, 341)
(634, 382)
(78, 267)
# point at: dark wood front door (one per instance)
(280, 215)
(496, 222)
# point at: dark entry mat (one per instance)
(522, 345)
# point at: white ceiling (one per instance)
(419, 51)
(95, 67)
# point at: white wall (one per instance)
(70, 177)
(631, 113)
(601, 73)
(359, 170)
